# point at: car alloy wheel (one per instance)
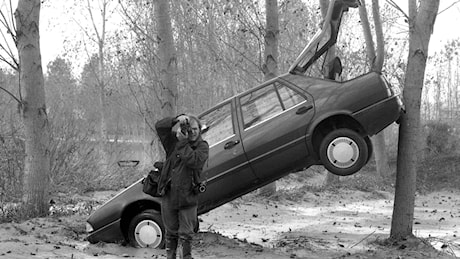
(343, 152)
(146, 230)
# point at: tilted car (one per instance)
(256, 137)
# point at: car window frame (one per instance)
(276, 81)
(272, 87)
(305, 97)
(232, 118)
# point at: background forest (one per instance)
(106, 82)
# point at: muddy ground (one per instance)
(295, 223)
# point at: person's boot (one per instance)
(171, 247)
(186, 249)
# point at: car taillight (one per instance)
(396, 90)
(89, 228)
(401, 103)
(391, 90)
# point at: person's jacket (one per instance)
(183, 166)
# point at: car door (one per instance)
(274, 120)
(227, 171)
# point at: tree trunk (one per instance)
(331, 179)
(380, 155)
(270, 67)
(168, 60)
(36, 125)
(102, 85)
(376, 64)
(378, 141)
(420, 28)
(99, 72)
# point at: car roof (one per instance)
(245, 92)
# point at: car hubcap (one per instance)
(148, 234)
(343, 152)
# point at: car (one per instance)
(290, 122)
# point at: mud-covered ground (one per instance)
(295, 223)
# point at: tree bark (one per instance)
(421, 24)
(270, 67)
(101, 82)
(168, 60)
(381, 158)
(376, 64)
(331, 179)
(36, 125)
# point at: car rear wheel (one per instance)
(146, 230)
(370, 148)
(343, 152)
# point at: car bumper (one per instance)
(108, 233)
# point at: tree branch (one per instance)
(11, 94)
(5, 46)
(392, 3)
(445, 9)
(134, 24)
(93, 22)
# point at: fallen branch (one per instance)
(363, 239)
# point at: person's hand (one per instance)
(182, 119)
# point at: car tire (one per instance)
(196, 228)
(146, 230)
(343, 152)
(370, 148)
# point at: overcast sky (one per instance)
(446, 26)
(56, 26)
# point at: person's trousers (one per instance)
(179, 225)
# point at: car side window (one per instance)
(260, 105)
(218, 123)
(289, 97)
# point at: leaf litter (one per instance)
(300, 221)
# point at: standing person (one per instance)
(186, 154)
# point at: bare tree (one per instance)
(270, 66)
(33, 109)
(168, 59)
(421, 21)
(99, 38)
(375, 59)
(331, 54)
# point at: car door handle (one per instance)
(304, 109)
(231, 144)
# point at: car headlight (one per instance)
(89, 228)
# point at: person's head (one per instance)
(195, 126)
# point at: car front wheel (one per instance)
(343, 152)
(146, 230)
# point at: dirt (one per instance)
(295, 223)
